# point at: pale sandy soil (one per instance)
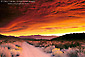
(31, 51)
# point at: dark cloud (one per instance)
(49, 28)
(77, 9)
(74, 27)
(83, 26)
(83, 2)
(60, 28)
(55, 28)
(15, 28)
(19, 29)
(83, 13)
(74, 16)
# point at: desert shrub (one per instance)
(17, 45)
(62, 41)
(66, 47)
(37, 45)
(77, 44)
(0, 42)
(53, 44)
(30, 43)
(12, 55)
(72, 55)
(9, 47)
(56, 46)
(46, 46)
(17, 55)
(49, 49)
(14, 41)
(5, 41)
(41, 45)
(72, 45)
(60, 46)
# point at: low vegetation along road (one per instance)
(31, 51)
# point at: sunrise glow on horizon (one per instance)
(43, 34)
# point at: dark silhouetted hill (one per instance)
(17, 38)
(72, 36)
(8, 37)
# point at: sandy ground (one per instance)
(31, 51)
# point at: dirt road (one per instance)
(31, 51)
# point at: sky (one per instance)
(43, 17)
